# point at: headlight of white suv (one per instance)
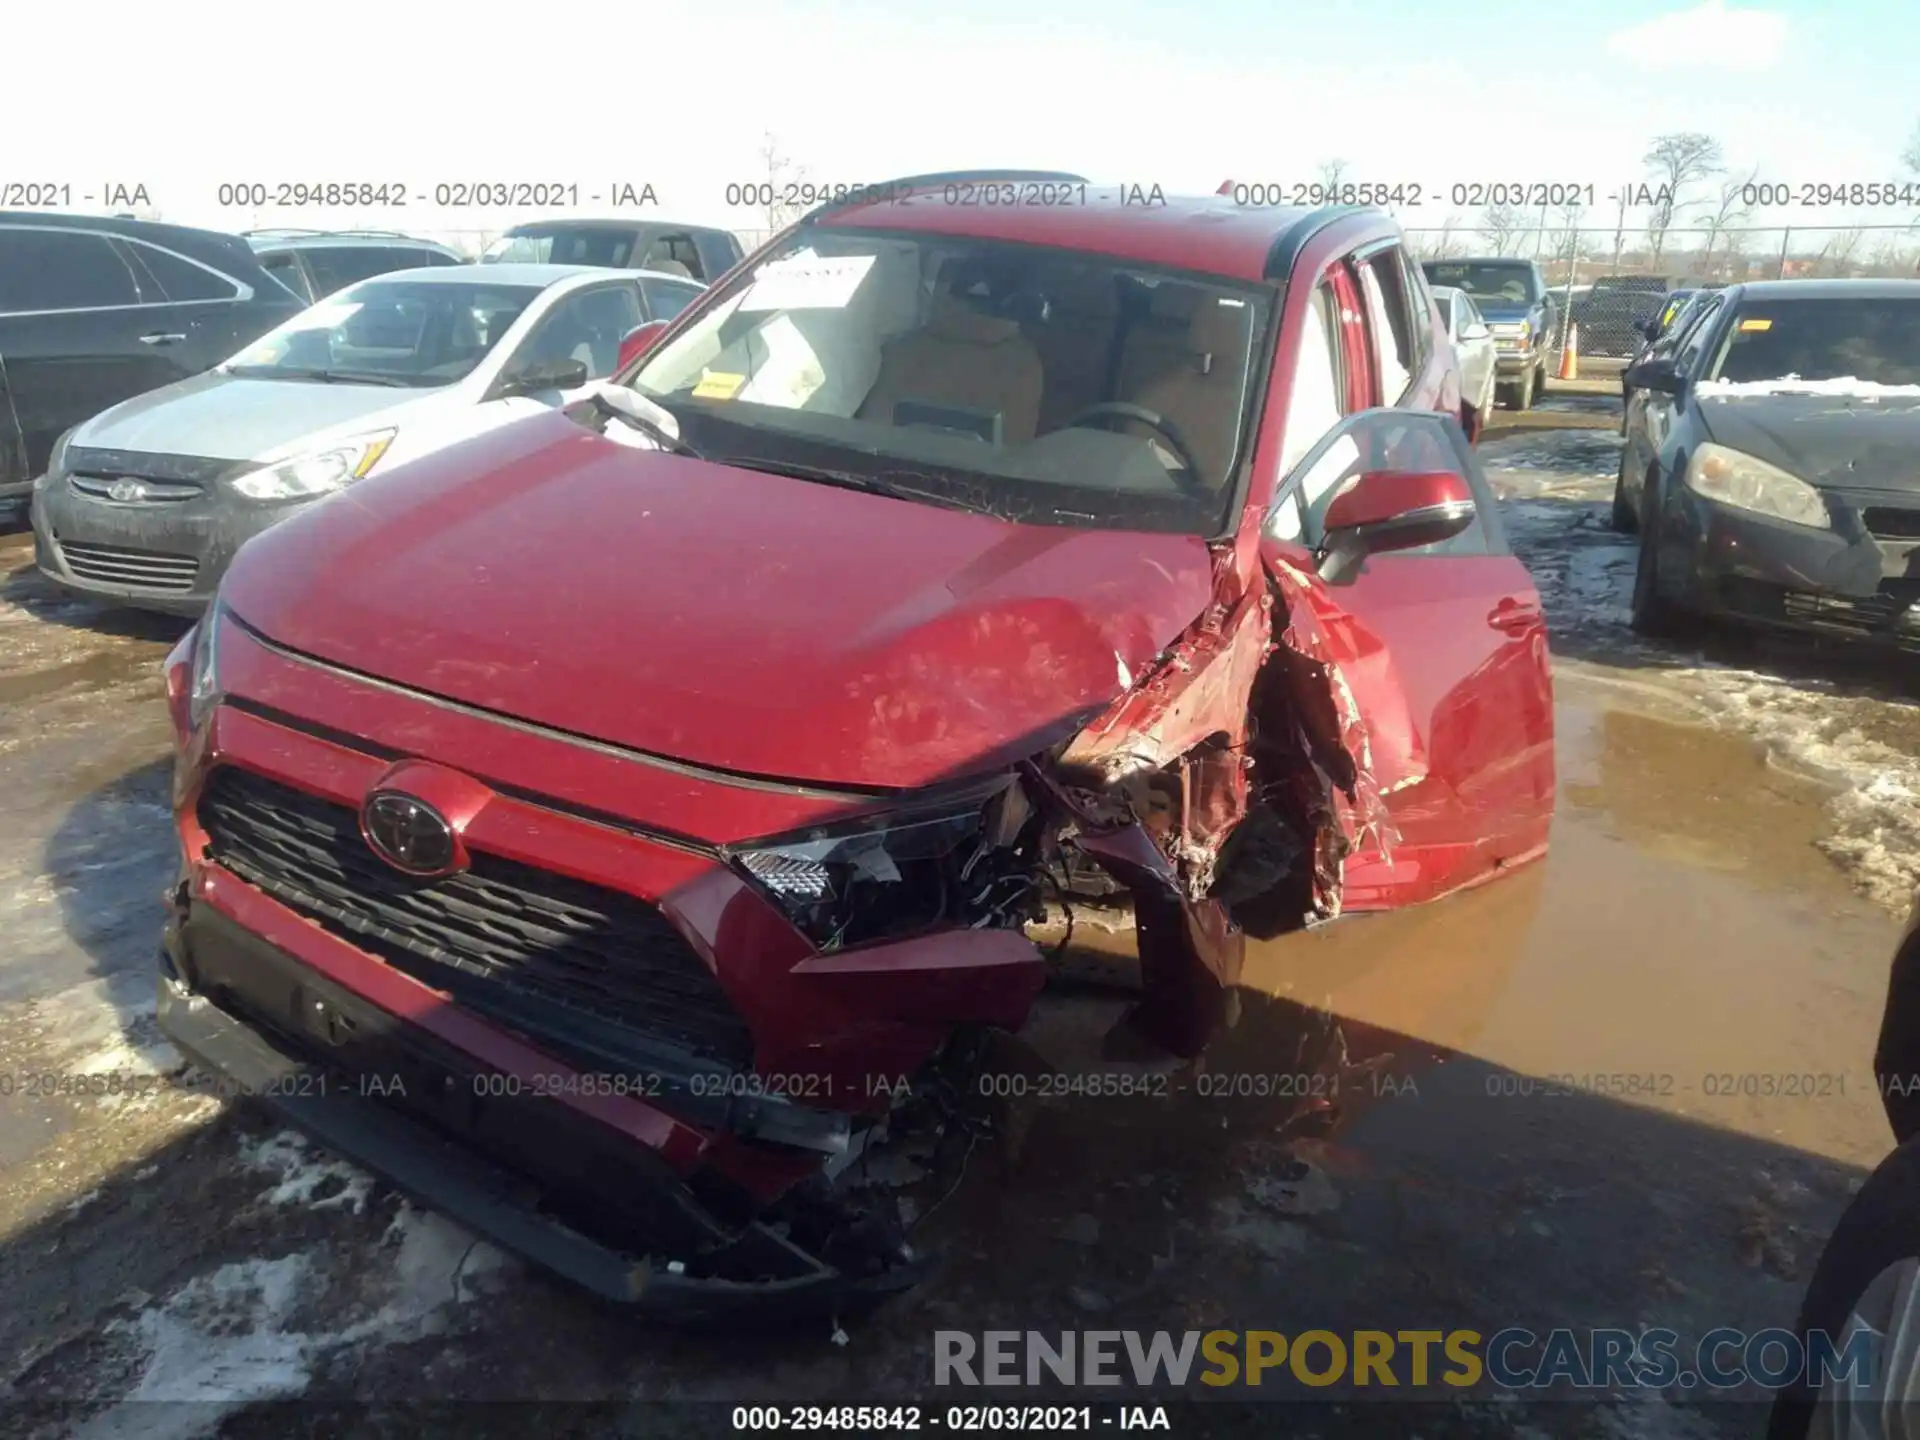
(318, 471)
(1733, 477)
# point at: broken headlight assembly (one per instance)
(203, 674)
(961, 864)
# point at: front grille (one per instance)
(1884, 522)
(515, 943)
(1889, 613)
(142, 569)
(132, 490)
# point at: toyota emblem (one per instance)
(410, 834)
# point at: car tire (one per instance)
(1624, 518)
(1879, 1231)
(1654, 614)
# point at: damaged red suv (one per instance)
(616, 827)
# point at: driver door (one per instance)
(1443, 655)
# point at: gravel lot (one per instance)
(1737, 832)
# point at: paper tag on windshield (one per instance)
(718, 385)
(812, 283)
(1756, 324)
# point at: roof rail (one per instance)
(291, 230)
(865, 193)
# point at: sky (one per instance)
(418, 97)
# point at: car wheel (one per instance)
(1523, 392)
(1624, 520)
(1653, 613)
(1866, 1279)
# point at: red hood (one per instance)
(745, 621)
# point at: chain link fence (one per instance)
(1608, 281)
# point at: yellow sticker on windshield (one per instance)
(718, 385)
(1756, 324)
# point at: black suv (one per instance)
(698, 252)
(94, 311)
(315, 263)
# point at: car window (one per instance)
(1689, 350)
(49, 269)
(673, 254)
(419, 333)
(587, 326)
(564, 245)
(334, 267)
(177, 278)
(1467, 315)
(1314, 407)
(284, 266)
(890, 353)
(1392, 439)
(1875, 340)
(1389, 323)
(665, 298)
(1419, 307)
(1505, 282)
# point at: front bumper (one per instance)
(525, 1171)
(1512, 364)
(1844, 582)
(156, 556)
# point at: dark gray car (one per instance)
(1769, 463)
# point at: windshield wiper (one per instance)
(325, 377)
(608, 404)
(896, 484)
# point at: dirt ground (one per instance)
(1734, 843)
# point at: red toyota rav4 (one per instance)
(615, 828)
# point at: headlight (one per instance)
(844, 886)
(56, 462)
(316, 472)
(203, 679)
(1738, 479)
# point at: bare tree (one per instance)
(1448, 244)
(1837, 254)
(1331, 174)
(1676, 161)
(1729, 210)
(1563, 240)
(782, 172)
(1502, 225)
(1910, 157)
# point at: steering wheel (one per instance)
(1188, 478)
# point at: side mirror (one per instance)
(1648, 328)
(637, 342)
(1654, 374)
(544, 375)
(1385, 510)
(1476, 331)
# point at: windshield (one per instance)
(388, 332)
(1502, 284)
(561, 245)
(1875, 341)
(1032, 383)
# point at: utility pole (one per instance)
(1620, 232)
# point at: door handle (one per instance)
(158, 338)
(1514, 616)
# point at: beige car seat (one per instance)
(1203, 393)
(965, 359)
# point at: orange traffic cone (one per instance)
(1570, 354)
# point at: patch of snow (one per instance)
(219, 1342)
(301, 1173)
(1851, 386)
(229, 1339)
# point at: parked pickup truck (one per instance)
(1519, 309)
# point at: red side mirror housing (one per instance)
(637, 342)
(1399, 510)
